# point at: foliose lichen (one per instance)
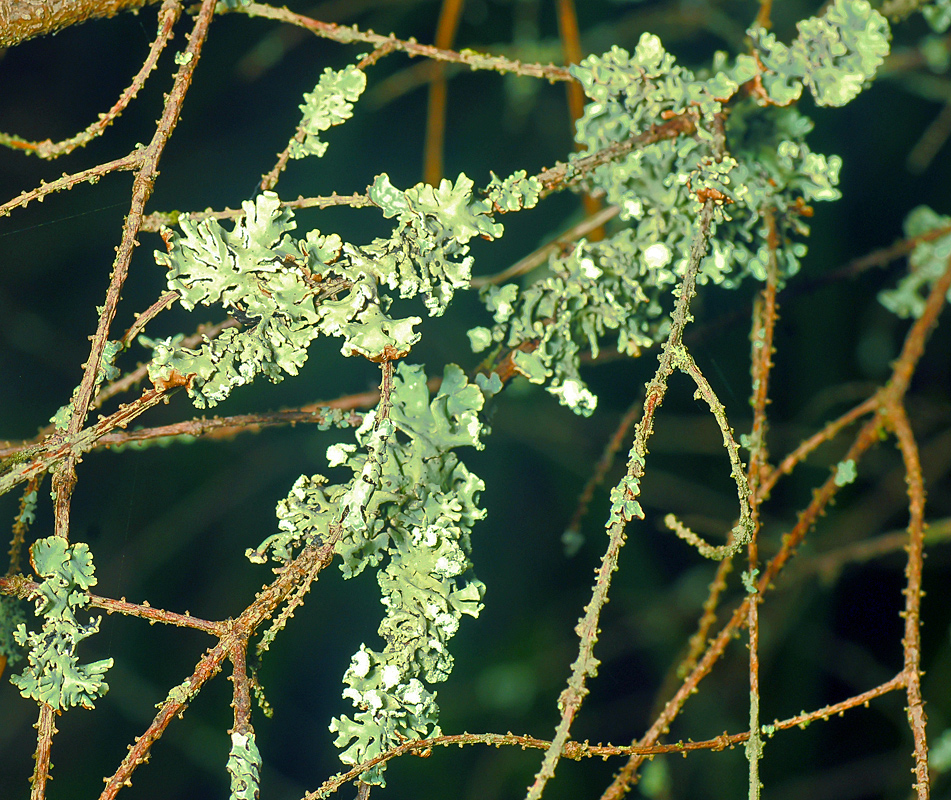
(53, 673)
(408, 510)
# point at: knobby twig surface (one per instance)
(885, 413)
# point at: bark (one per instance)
(24, 19)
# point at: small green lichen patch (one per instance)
(330, 103)
(244, 766)
(835, 54)
(845, 473)
(514, 192)
(927, 263)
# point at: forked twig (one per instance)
(587, 629)
(867, 437)
(346, 34)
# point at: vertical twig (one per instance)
(21, 523)
(241, 697)
(141, 192)
(587, 629)
(64, 476)
(893, 411)
(168, 17)
(174, 706)
(571, 46)
(761, 363)
(867, 437)
(386, 389)
(570, 36)
(45, 727)
(911, 641)
(742, 533)
(604, 463)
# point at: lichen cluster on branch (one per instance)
(741, 150)
(409, 510)
(53, 674)
(729, 134)
(410, 505)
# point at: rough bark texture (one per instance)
(23, 19)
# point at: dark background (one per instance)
(170, 525)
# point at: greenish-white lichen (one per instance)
(937, 14)
(515, 192)
(845, 473)
(407, 505)
(330, 103)
(753, 159)
(244, 766)
(835, 54)
(624, 504)
(408, 510)
(289, 291)
(53, 674)
(928, 262)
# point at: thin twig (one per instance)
(556, 245)
(892, 410)
(604, 464)
(743, 532)
(45, 730)
(587, 629)
(581, 750)
(241, 697)
(155, 221)
(22, 523)
(761, 364)
(911, 641)
(450, 13)
(91, 175)
(827, 564)
(168, 16)
(867, 437)
(311, 559)
(570, 35)
(22, 587)
(827, 434)
(346, 34)
(56, 448)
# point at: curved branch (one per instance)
(171, 11)
(26, 19)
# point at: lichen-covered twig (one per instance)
(346, 34)
(868, 436)
(587, 629)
